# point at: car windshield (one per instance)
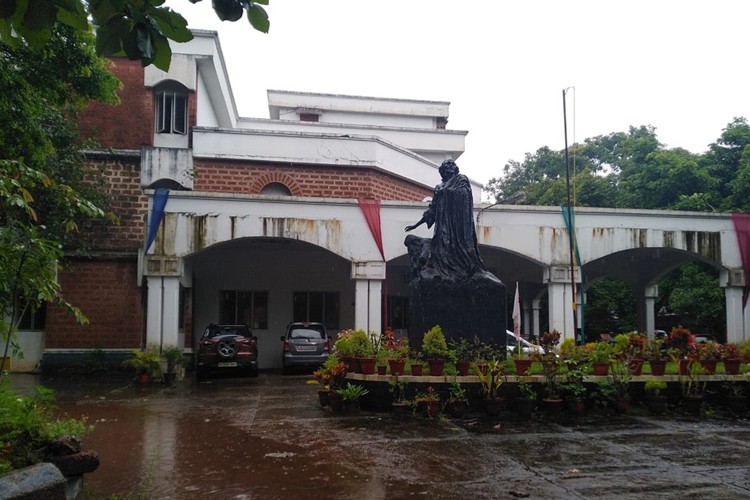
(310, 332)
(215, 331)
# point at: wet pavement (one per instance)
(268, 438)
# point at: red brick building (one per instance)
(262, 222)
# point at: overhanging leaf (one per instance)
(172, 24)
(258, 18)
(7, 8)
(228, 10)
(40, 15)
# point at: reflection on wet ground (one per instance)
(267, 438)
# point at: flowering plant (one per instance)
(730, 351)
(709, 351)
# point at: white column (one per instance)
(560, 309)
(536, 306)
(368, 284)
(154, 312)
(163, 310)
(736, 330)
(560, 299)
(526, 320)
(367, 305)
(651, 293)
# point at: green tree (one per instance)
(138, 29)
(724, 158)
(41, 211)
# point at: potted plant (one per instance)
(526, 398)
(146, 363)
(655, 352)
(731, 357)
(428, 402)
(344, 348)
(397, 351)
(364, 351)
(735, 397)
(521, 360)
(350, 397)
(175, 362)
(655, 399)
(490, 381)
(400, 405)
(574, 391)
(457, 403)
(709, 354)
(633, 350)
(435, 349)
(548, 358)
(691, 387)
(600, 355)
(620, 376)
(416, 366)
(679, 338)
(461, 353)
(571, 354)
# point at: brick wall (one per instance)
(313, 181)
(130, 124)
(107, 294)
(129, 204)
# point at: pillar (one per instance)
(526, 319)
(162, 316)
(368, 286)
(560, 300)
(733, 281)
(648, 319)
(536, 306)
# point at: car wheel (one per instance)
(226, 348)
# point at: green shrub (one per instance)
(434, 344)
(27, 424)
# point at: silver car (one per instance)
(305, 344)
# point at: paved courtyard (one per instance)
(268, 438)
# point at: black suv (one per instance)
(227, 347)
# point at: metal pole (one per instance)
(571, 229)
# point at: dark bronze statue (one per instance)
(452, 253)
(450, 285)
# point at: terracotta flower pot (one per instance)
(635, 366)
(416, 369)
(600, 369)
(463, 367)
(437, 366)
(367, 365)
(382, 369)
(522, 366)
(709, 365)
(396, 366)
(732, 366)
(684, 365)
(658, 366)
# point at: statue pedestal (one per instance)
(470, 308)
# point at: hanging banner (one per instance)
(742, 228)
(157, 213)
(371, 210)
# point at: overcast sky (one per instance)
(680, 66)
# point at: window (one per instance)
(309, 117)
(441, 122)
(275, 189)
(398, 312)
(34, 318)
(250, 308)
(171, 112)
(320, 307)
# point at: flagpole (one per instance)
(571, 229)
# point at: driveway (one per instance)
(268, 438)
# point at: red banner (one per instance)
(371, 210)
(742, 227)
